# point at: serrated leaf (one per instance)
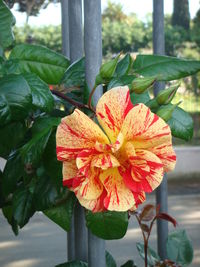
(74, 76)
(152, 256)
(22, 206)
(47, 64)
(179, 248)
(62, 214)
(107, 225)
(8, 214)
(124, 65)
(11, 135)
(165, 68)
(110, 262)
(12, 173)
(73, 264)
(41, 95)
(16, 94)
(181, 124)
(7, 20)
(121, 81)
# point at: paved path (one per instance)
(43, 244)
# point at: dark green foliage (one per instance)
(108, 225)
(181, 14)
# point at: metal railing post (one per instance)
(93, 57)
(161, 192)
(65, 28)
(77, 241)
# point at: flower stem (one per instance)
(71, 101)
(90, 98)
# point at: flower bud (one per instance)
(139, 85)
(108, 69)
(165, 111)
(165, 96)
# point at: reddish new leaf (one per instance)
(144, 227)
(148, 213)
(167, 217)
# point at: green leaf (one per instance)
(121, 81)
(22, 206)
(41, 95)
(110, 262)
(45, 193)
(107, 225)
(73, 264)
(47, 64)
(124, 65)
(74, 76)
(44, 123)
(62, 214)
(152, 256)
(165, 68)
(8, 214)
(11, 135)
(179, 248)
(52, 166)
(7, 20)
(16, 96)
(129, 263)
(12, 173)
(140, 98)
(32, 151)
(181, 124)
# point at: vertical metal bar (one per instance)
(161, 192)
(93, 56)
(65, 28)
(75, 29)
(66, 52)
(76, 52)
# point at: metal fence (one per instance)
(80, 39)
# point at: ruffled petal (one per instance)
(111, 110)
(89, 187)
(145, 172)
(147, 131)
(95, 205)
(105, 161)
(166, 154)
(69, 172)
(119, 197)
(76, 132)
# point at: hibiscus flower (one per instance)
(112, 165)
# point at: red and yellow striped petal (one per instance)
(119, 197)
(69, 171)
(90, 187)
(111, 110)
(147, 131)
(105, 161)
(76, 132)
(166, 154)
(95, 205)
(145, 172)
